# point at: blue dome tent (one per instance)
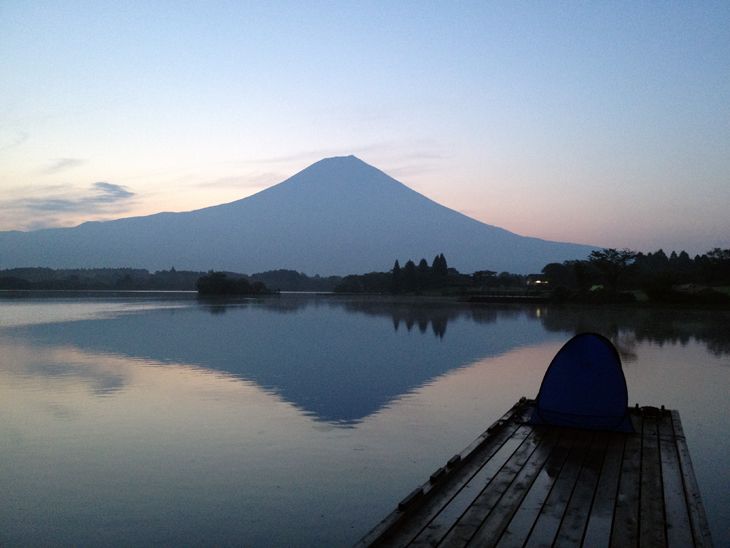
(584, 387)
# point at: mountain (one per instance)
(338, 216)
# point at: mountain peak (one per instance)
(348, 158)
(339, 163)
(339, 172)
(340, 215)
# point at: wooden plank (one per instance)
(521, 485)
(491, 495)
(698, 519)
(401, 526)
(521, 524)
(490, 478)
(598, 530)
(548, 522)
(625, 530)
(678, 528)
(496, 521)
(576, 516)
(437, 515)
(651, 497)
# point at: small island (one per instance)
(220, 284)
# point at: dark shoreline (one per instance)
(468, 300)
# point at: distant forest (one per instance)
(607, 275)
(436, 279)
(125, 279)
(612, 274)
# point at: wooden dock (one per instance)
(523, 485)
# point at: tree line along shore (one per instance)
(138, 279)
(605, 276)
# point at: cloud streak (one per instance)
(61, 206)
(317, 154)
(61, 164)
(247, 182)
(12, 139)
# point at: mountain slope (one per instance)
(338, 216)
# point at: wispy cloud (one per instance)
(60, 164)
(317, 154)
(57, 205)
(101, 197)
(425, 150)
(415, 169)
(299, 157)
(109, 192)
(258, 180)
(12, 138)
(414, 160)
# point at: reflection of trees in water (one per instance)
(719, 349)
(407, 312)
(717, 338)
(627, 327)
(625, 342)
(216, 308)
(274, 303)
(413, 313)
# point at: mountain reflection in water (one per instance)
(336, 365)
(335, 358)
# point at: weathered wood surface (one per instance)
(525, 485)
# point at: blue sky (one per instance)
(605, 123)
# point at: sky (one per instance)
(604, 123)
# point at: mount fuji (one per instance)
(338, 216)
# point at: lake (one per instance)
(150, 418)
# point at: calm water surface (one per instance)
(158, 419)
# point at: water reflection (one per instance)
(436, 314)
(335, 360)
(628, 327)
(624, 326)
(63, 365)
(213, 423)
(101, 382)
